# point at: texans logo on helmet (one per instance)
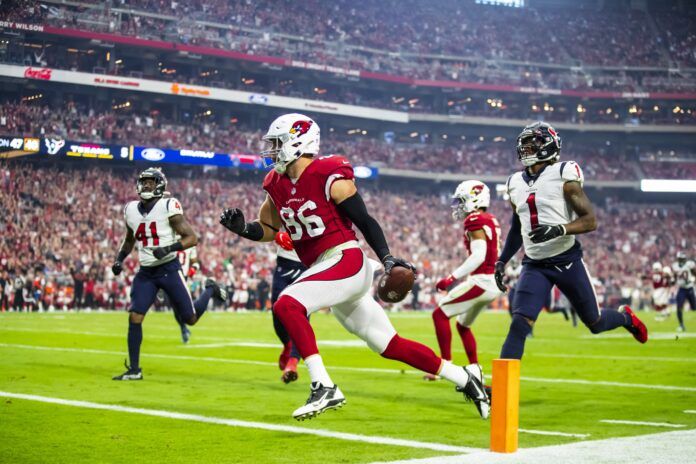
(552, 131)
(300, 127)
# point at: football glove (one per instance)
(500, 275)
(389, 262)
(233, 220)
(117, 267)
(160, 252)
(284, 241)
(444, 284)
(544, 233)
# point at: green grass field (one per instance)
(571, 381)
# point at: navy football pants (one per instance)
(168, 277)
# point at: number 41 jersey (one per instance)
(539, 200)
(305, 206)
(152, 229)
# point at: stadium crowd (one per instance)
(452, 42)
(475, 157)
(61, 225)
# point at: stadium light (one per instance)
(668, 185)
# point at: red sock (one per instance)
(443, 332)
(291, 365)
(294, 318)
(469, 343)
(412, 353)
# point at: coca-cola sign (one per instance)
(38, 73)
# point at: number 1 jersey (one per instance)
(539, 200)
(305, 206)
(152, 229)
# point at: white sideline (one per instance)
(345, 368)
(658, 448)
(556, 434)
(690, 411)
(246, 424)
(652, 424)
(226, 341)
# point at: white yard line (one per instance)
(659, 448)
(651, 336)
(246, 424)
(651, 424)
(557, 434)
(690, 411)
(346, 368)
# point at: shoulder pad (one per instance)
(571, 172)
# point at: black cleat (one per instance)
(185, 334)
(130, 374)
(219, 293)
(320, 399)
(475, 391)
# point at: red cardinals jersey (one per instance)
(659, 280)
(481, 220)
(305, 206)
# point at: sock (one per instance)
(201, 303)
(412, 353)
(455, 374)
(469, 342)
(609, 319)
(513, 348)
(317, 371)
(293, 316)
(280, 331)
(135, 338)
(680, 316)
(443, 332)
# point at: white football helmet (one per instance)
(667, 270)
(469, 196)
(291, 136)
(657, 267)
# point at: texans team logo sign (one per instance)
(300, 127)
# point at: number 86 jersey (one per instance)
(539, 200)
(305, 206)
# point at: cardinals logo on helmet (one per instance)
(476, 189)
(300, 127)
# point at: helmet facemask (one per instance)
(537, 143)
(281, 153)
(160, 184)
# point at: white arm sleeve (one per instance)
(475, 259)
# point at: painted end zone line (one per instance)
(246, 424)
(556, 434)
(653, 424)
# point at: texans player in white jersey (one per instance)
(685, 273)
(315, 199)
(477, 286)
(153, 224)
(549, 209)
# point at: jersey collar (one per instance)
(530, 179)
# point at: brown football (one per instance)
(394, 287)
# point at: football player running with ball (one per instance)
(471, 200)
(315, 199)
(153, 224)
(549, 209)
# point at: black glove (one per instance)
(500, 275)
(233, 219)
(117, 267)
(544, 233)
(389, 262)
(160, 252)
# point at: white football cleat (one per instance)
(320, 399)
(475, 391)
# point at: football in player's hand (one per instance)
(394, 287)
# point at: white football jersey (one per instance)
(684, 274)
(152, 229)
(186, 257)
(540, 200)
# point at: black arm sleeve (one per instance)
(354, 208)
(513, 241)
